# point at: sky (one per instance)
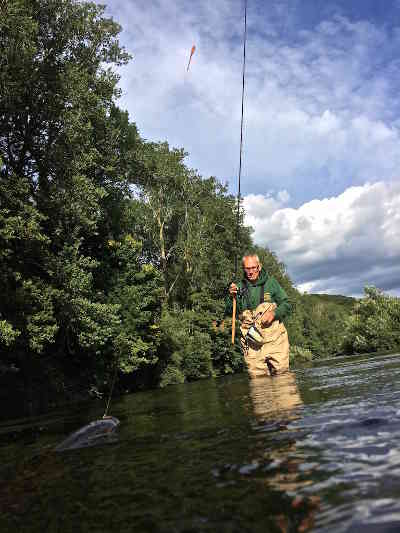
(321, 157)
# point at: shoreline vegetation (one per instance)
(112, 250)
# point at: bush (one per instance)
(375, 323)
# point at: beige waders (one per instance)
(272, 357)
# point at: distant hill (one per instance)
(336, 299)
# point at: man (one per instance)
(262, 305)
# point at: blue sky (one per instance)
(322, 129)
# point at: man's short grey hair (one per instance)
(251, 255)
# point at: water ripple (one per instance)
(316, 449)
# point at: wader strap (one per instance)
(245, 294)
(262, 289)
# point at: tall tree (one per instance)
(60, 150)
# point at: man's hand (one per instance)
(268, 318)
(233, 290)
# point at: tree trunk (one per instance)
(163, 254)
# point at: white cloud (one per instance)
(259, 206)
(336, 244)
(321, 103)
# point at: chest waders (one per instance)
(253, 334)
(265, 347)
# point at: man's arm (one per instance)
(284, 307)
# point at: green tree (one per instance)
(375, 323)
(161, 184)
(136, 290)
(60, 153)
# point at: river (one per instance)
(316, 449)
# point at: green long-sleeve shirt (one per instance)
(250, 295)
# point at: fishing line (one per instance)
(111, 391)
(100, 431)
(241, 138)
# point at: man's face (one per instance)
(251, 268)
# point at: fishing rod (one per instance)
(240, 168)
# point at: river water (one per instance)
(316, 449)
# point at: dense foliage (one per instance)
(322, 323)
(112, 250)
(374, 324)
